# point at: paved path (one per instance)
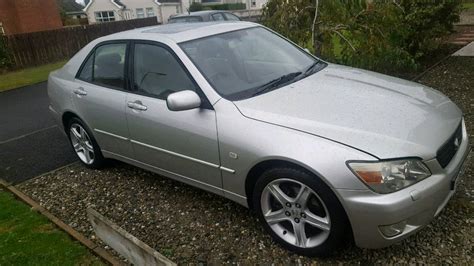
(30, 141)
(467, 50)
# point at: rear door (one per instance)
(182, 143)
(101, 93)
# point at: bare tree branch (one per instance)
(314, 21)
(344, 38)
(307, 7)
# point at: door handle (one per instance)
(137, 105)
(80, 92)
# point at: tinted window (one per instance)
(218, 17)
(87, 70)
(109, 65)
(232, 17)
(158, 73)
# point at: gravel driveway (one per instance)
(189, 225)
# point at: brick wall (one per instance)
(23, 16)
(7, 16)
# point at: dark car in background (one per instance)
(204, 16)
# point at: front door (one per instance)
(182, 143)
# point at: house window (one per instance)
(254, 3)
(140, 13)
(104, 16)
(150, 12)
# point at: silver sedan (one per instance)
(323, 153)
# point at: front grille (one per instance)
(449, 149)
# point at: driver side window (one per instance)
(157, 72)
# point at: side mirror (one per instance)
(183, 100)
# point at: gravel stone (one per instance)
(189, 225)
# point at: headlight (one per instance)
(390, 176)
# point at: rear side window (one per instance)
(109, 65)
(218, 17)
(106, 66)
(231, 17)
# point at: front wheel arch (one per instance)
(257, 170)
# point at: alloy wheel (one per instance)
(295, 213)
(82, 143)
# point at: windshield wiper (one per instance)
(276, 82)
(311, 68)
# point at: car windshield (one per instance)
(248, 62)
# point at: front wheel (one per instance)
(300, 212)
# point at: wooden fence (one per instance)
(38, 48)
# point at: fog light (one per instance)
(393, 229)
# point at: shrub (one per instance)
(5, 56)
(230, 6)
(385, 36)
(195, 7)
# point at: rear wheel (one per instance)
(300, 211)
(84, 144)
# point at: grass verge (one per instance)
(27, 238)
(468, 6)
(28, 76)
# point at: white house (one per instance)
(114, 10)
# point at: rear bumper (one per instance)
(416, 205)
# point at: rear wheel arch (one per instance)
(66, 118)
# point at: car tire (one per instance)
(84, 144)
(325, 225)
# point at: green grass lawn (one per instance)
(28, 76)
(28, 238)
(468, 5)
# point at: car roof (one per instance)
(199, 13)
(180, 32)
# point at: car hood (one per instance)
(384, 116)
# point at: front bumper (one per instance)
(416, 205)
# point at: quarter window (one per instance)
(157, 72)
(87, 71)
(104, 16)
(140, 13)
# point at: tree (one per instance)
(380, 35)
